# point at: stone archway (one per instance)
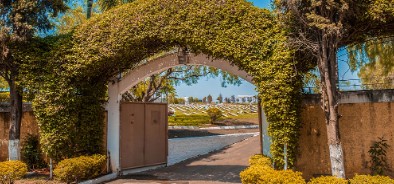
(132, 78)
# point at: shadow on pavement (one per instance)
(189, 133)
(219, 173)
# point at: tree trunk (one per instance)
(89, 9)
(16, 118)
(328, 70)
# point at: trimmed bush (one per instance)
(214, 113)
(368, 179)
(285, 177)
(252, 174)
(261, 172)
(328, 180)
(260, 159)
(11, 171)
(80, 168)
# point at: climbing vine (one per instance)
(82, 62)
(67, 106)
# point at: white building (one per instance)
(245, 99)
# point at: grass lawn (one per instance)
(188, 120)
(203, 119)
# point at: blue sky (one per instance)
(212, 86)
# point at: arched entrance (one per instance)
(121, 84)
(100, 48)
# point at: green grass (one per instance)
(191, 120)
(244, 116)
(201, 119)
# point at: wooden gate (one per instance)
(143, 134)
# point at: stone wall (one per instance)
(365, 116)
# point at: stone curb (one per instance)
(101, 179)
(224, 135)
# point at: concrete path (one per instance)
(181, 149)
(219, 167)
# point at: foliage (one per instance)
(367, 179)
(68, 108)
(11, 171)
(258, 164)
(209, 98)
(377, 153)
(4, 96)
(311, 82)
(108, 4)
(151, 88)
(373, 58)
(260, 159)
(272, 176)
(80, 168)
(20, 21)
(191, 120)
(328, 180)
(252, 174)
(31, 152)
(220, 98)
(172, 99)
(3, 83)
(261, 172)
(214, 114)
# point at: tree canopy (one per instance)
(374, 60)
(20, 21)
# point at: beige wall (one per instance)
(360, 125)
(29, 126)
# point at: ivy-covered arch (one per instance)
(233, 30)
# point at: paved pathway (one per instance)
(219, 167)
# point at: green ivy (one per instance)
(71, 92)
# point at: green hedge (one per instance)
(11, 171)
(80, 168)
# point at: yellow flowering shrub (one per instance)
(261, 172)
(80, 168)
(368, 179)
(328, 180)
(11, 171)
(259, 159)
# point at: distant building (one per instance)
(246, 99)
